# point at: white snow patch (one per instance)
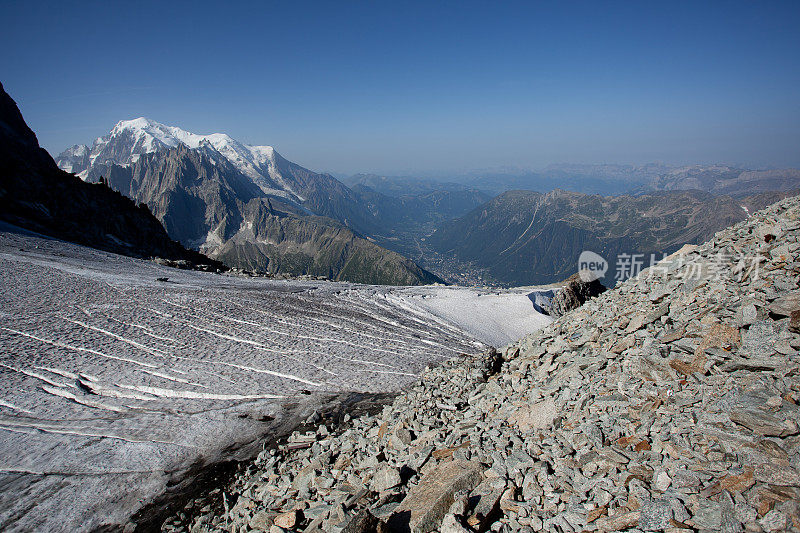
(494, 317)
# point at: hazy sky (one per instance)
(420, 87)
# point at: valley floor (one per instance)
(118, 383)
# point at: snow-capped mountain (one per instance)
(246, 206)
(130, 139)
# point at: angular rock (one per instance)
(287, 520)
(662, 481)
(708, 516)
(776, 474)
(425, 505)
(401, 438)
(785, 305)
(760, 422)
(385, 478)
(619, 522)
(262, 520)
(486, 500)
(728, 521)
(655, 515)
(363, 522)
(746, 315)
(450, 524)
(773, 521)
(540, 415)
(794, 323)
(759, 340)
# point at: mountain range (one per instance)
(246, 206)
(250, 208)
(613, 179)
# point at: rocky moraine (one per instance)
(667, 404)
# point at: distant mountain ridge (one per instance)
(251, 208)
(400, 186)
(525, 237)
(724, 180)
(614, 179)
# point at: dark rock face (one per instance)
(37, 195)
(575, 293)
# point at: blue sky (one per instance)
(429, 87)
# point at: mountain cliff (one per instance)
(37, 195)
(208, 204)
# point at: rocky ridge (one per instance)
(575, 292)
(667, 404)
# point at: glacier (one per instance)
(124, 380)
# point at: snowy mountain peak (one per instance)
(155, 135)
(128, 140)
(140, 123)
(74, 159)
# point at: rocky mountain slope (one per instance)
(38, 196)
(244, 205)
(667, 404)
(524, 237)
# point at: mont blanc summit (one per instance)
(128, 140)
